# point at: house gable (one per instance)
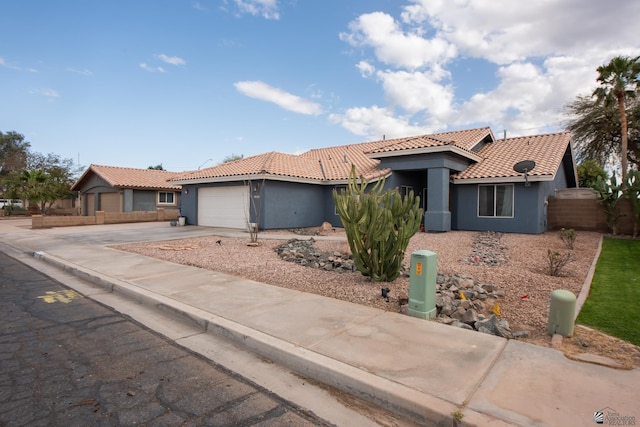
(118, 189)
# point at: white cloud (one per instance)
(173, 60)
(377, 122)
(268, 9)
(416, 91)
(49, 93)
(545, 51)
(260, 90)
(83, 72)
(366, 69)
(198, 6)
(393, 46)
(151, 69)
(3, 63)
(504, 31)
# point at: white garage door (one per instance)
(223, 206)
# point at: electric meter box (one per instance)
(422, 285)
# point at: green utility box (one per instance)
(422, 285)
(562, 313)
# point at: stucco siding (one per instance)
(291, 205)
(145, 200)
(425, 161)
(528, 211)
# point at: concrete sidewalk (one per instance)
(423, 370)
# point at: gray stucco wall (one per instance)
(528, 211)
(189, 203)
(530, 208)
(425, 161)
(292, 205)
(144, 200)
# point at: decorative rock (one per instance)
(470, 317)
(488, 250)
(461, 325)
(501, 331)
(304, 253)
(490, 324)
(444, 319)
(520, 334)
(450, 308)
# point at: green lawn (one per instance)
(613, 306)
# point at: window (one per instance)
(495, 201)
(404, 190)
(166, 198)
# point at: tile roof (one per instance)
(463, 139)
(120, 177)
(272, 163)
(500, 157)
(331, 164)
(319, 165)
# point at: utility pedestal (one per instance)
(562, 313)
(422, 285)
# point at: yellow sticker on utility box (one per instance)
(419, 268)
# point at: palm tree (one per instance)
(619, 79)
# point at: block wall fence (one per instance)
(586, 215)
(101, 217)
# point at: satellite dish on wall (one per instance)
(525, 167)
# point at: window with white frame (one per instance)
(495, 200)
(166, 198)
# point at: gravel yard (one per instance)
(522, 276)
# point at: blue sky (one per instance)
(186, 83)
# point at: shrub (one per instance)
(568, 237)
(378, 226)
(632, 191)
(609, 194)
(557, 261)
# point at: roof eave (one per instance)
(247, 177)
(503, 179)
(427, 150)
(273, 177)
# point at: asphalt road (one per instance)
(67, 360)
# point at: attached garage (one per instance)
(91, 207)
(224, 206)
(110, 202)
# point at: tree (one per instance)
(232, 157)
(13, 156)
(13, 152)
(618, 80)
(596, 129)
(45, 179)
(156, 167)
(378, 226)
(588, 173)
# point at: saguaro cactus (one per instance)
(378, 225)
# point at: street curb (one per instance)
(410, 403)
